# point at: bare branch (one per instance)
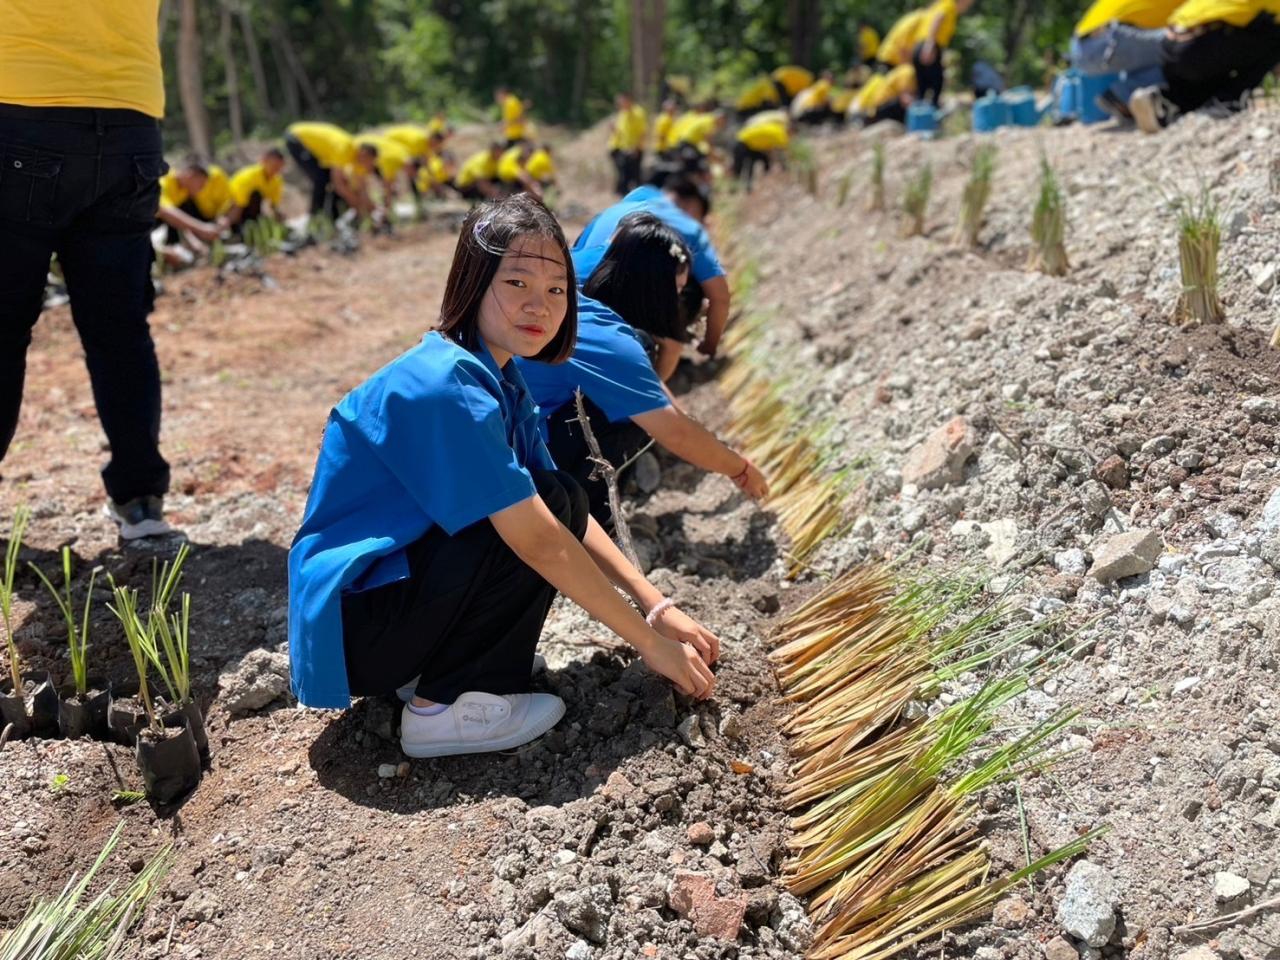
(1203, 926)
(604, 470)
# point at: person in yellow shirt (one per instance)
(435, 173)
(812, 104)
(438, 125)
(477, 178)
(790, 80)
(761, 138)
(662, 126)
(254, 185)
(326, 154)
(512, 110)
(626, 142)
(885, 96)
(542, 167)
(192, 199)
(868, 43)
(1215, 52)
(760, 94)
(919, 38)
(513, 175)
(1116, 36)
(81, 97)
(696, 128)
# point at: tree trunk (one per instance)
(805, 19)
(261, 92)
(648, 21)
(285, 49)
(235, 117)
(581, 63)
(190, 81)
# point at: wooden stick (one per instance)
(604, 470)
(1203, 926)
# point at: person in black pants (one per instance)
(84, 184)
(930, 76)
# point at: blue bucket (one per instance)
(1089, 89)
(922, 118)
(990, 113)
(1068, 90)
(1023, 111)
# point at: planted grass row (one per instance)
(164, 724)
(883, 788)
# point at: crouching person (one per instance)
(438, 530)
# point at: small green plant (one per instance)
(59, 783)
(139, 640)
(801, 159)
(77, 637)
(67, 928)
(1273, 174)
(217, 253)
(843, 188)
(977, 191)
(322, 227)
(126, 797)
(915, 201)
(1049, 226)
(21, 517)
(1199, 236)
(876, 197)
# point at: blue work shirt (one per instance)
(590, 247)
(439, 436)
(609, 363)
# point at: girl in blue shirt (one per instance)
(628, 305)
(438, 529)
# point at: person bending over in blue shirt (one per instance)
(629, 302)
(438, 528)
(683, 205)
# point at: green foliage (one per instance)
(1049, 225)
(59, 783)
(21, 517)
(1199, 237)
(875, 200)
(804, 164)
(915, 201)
(843, 188)
(977, 191)
(77, 636)
(264, 236)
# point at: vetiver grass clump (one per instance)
(875, 198)
(1049, 226)
(1199, 236)
(20, 519)
(977, 191)
(915, 201)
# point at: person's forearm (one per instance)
(669, 352)
(716, 290)
(691, 441)
(234, 216)
(934, 28)
(614, 564)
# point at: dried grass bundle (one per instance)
(1049, 226)
(1199, 236)
(915, 201)
(977, 191)
(875, 200)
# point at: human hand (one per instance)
(929, 52)
(752, 482)
(679, 663)
(674, 624)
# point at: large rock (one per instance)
(1125, 555)
(693, 896)
(1087, 910)
(586, 911)
(940, 459)
(262, 677)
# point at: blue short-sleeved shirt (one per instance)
(594, 241)
(440, 435)
(609, 363)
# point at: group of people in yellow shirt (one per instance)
(204, 201)
(1176, 56)
(682, 142)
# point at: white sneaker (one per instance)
(140, 517)
(479, 723)
(1152, 112)
(405, 693)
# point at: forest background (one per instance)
(239, 69)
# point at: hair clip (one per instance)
(677, 254)
(480, 225)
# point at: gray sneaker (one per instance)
(139, 517)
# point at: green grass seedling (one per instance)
(21, 517)
(77, 636)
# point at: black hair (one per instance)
(487, 234)
(686, 188)
(636, 277)
(369, 148)
(194, 163)
(274, 152)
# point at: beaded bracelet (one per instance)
(659, 608)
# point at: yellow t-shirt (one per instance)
(513, 117)
(840, 100)
(213, 199)
(253, 179)
(946, 9)
(793, 79)
(629, 129)
(541, 167)
(432, 171)
(410, 136)
(900, 40)
(81, 53)
(868, 43)
(662, 131)
(1146, 14)
(1238, 13)
(695, 128)
(392, 155)
(479, 166)
(329, 144)
(761, 92)
(438, 125)
(811, 98)
(509, 165)
(885, 88)
(766, 135)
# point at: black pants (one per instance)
(171, 233)
(84, 184)
(745, 160)
(929, 76)
(1222, 64)
(893, 110)
(627, 164)
(469, 616)
(619, 442)
(322, 195)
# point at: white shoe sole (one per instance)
(458, 748)
(406, 692)
(137, 531)
(1144, 114)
